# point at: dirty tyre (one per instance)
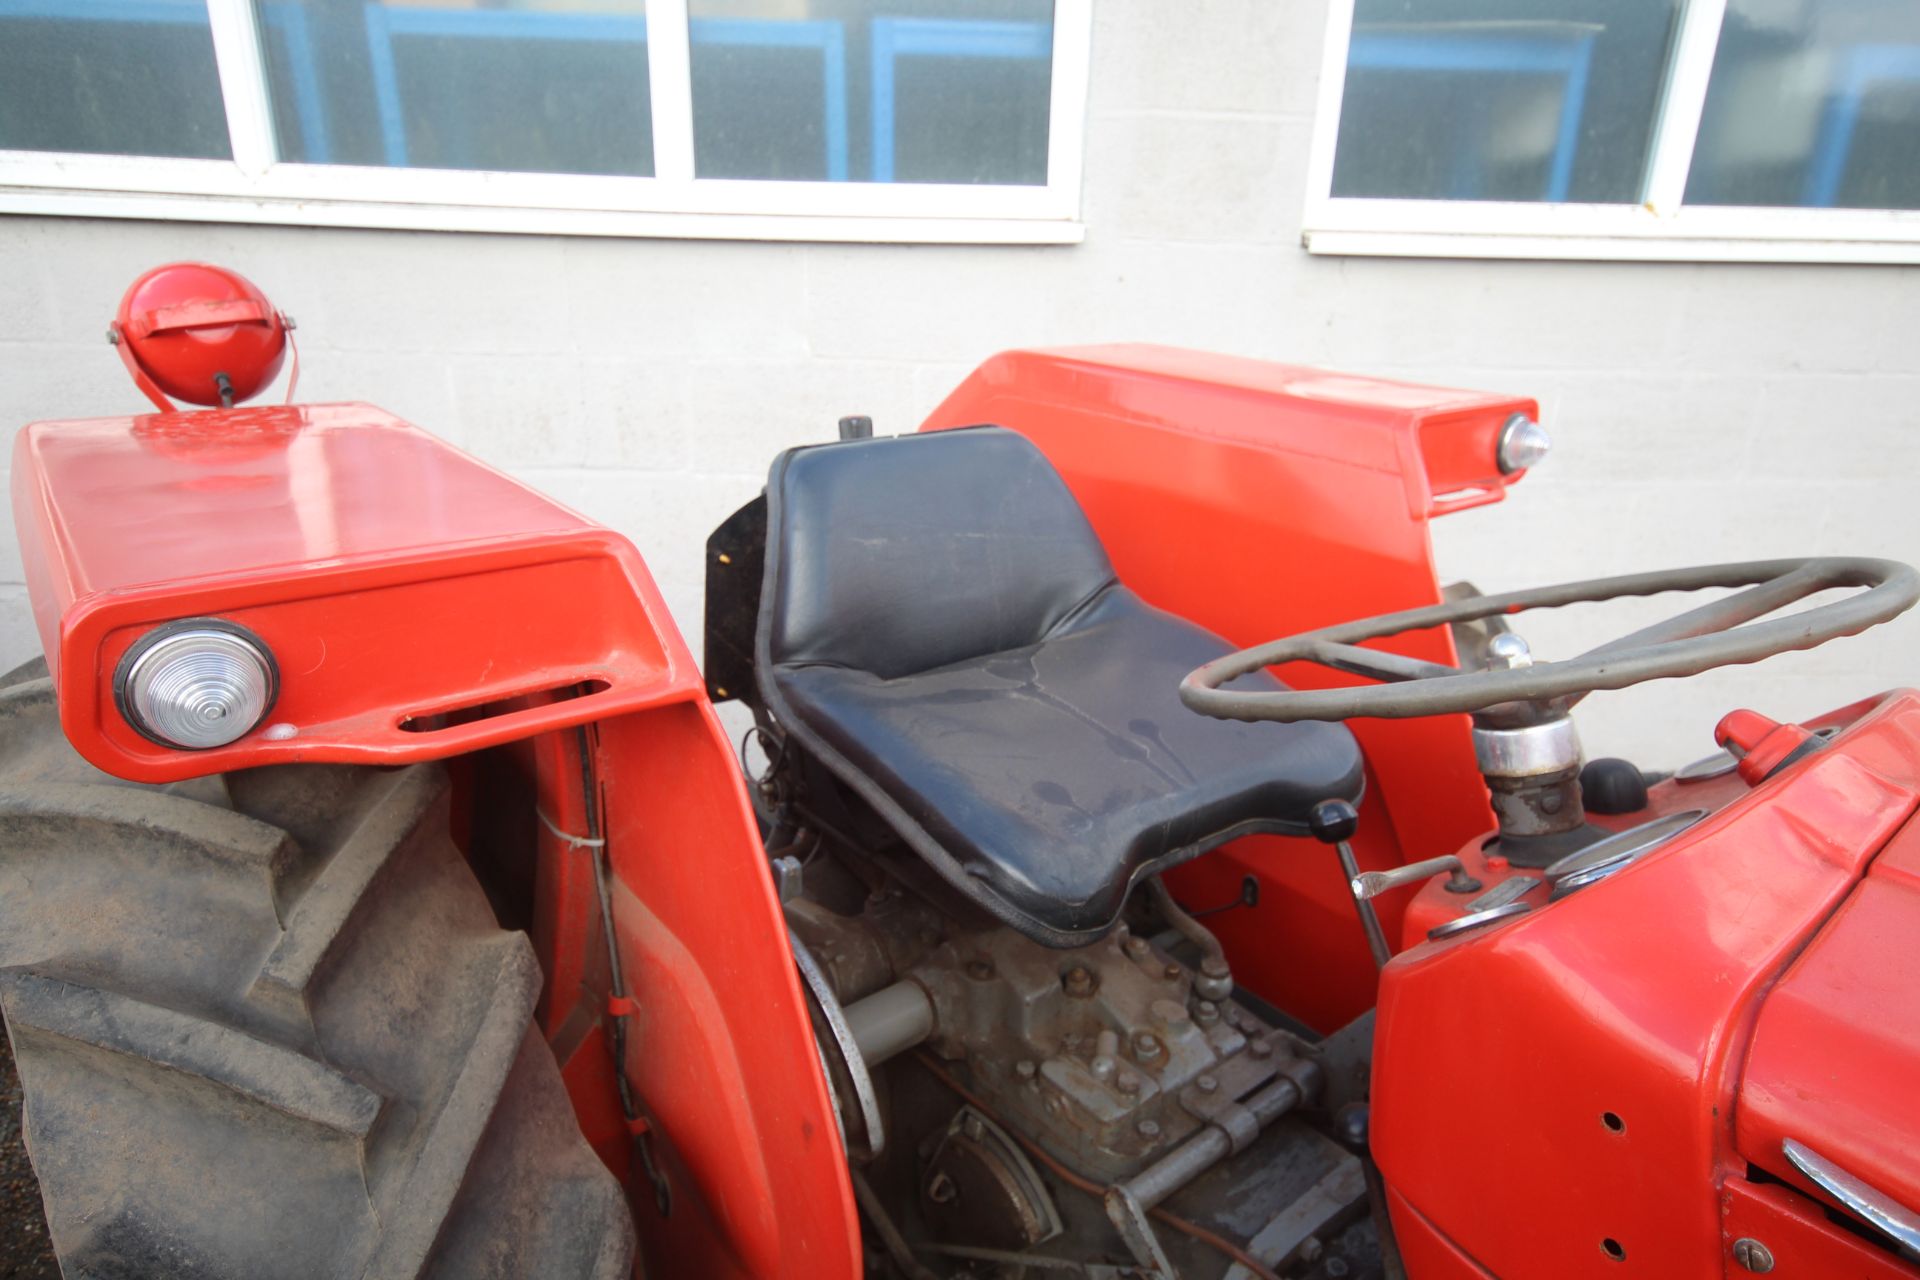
(267, 1026)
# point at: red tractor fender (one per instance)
(420, 605)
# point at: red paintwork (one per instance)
(720, 1049)
(1835, 1057)
(1426, 1252)
(394, 576)
(391, 575)
(1259, 500)
(1500, 1051)
(181, 324)
(1800, 1238)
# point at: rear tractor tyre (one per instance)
(267, 1026)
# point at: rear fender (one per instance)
(417, 603)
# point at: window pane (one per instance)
(114, 77)
(1813, 102)
(541, 86)
(1502, 99)
(872, 90)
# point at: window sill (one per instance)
(419, 216)
(1608, 233)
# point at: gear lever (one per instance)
(1334, 822)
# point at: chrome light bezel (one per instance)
(1517, 428)
(146, 647)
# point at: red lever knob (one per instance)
(1763, 746)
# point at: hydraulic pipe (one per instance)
(1215, 981)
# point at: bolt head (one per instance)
(1260, 1048)
(1753, 1255)
(1148, 1129)
(1206, 1084)
(1078, 982)
(1137, 948)
(1508, 652)
(1026, 1068)
(1145, 1045)
(1128, 1082)
(1173, 972)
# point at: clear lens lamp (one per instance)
(196, 684)
(1524, 443)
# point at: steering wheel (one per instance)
(1700, 639)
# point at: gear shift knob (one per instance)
(1332, 821)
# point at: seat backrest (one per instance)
(899, 555)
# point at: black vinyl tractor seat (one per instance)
(940, 627)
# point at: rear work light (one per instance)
(196, 684)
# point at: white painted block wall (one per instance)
(1702, 413)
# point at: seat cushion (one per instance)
(899, 555)
(1054, 775)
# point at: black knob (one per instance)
(1332, 821)
(1613, 786)
(856, 426)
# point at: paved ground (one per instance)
(24, 1254)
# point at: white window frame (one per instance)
(1659, 228)
(255, 186)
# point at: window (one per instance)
(1690, 129)
(915, 120)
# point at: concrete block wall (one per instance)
(1702, 412)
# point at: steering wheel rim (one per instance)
(1727, 632)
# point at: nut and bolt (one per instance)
(1026, 1068)
(1137, 948)
(1206, 1011)
(1261, 1048)
(1078, 982)
(1147, 1129)
(1206, 1084)
(980, 970)
(1128, 1082)
(1173, 972)
(1753, 1255)
(1146, 1046)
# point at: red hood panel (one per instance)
(1835, 1059)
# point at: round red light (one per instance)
(199, 333)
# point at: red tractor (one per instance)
(380, 893)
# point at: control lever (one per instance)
(1334, 822)
(1371, 884)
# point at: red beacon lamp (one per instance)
(202, 334)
